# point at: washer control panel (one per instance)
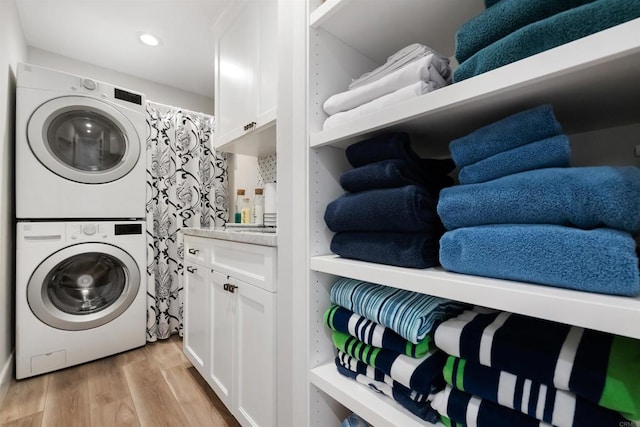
(83, 231)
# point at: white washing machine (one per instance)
(80, 147)
(80, 292)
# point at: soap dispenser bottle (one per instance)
(237, 217)
(258, 207)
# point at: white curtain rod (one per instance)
(180, 108)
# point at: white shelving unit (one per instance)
(591, 83)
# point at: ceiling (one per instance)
(105, 33)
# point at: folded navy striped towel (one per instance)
(557, 407)
(375, 379)
(403, 209)
(412, 250)
(463, 409)
(500, 21)
(552, 152)
(412, 315)
(510, 132)
(585, 197)
(343, 320)
(599, 367)
(423, 375)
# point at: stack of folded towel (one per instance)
(410, 72)
(557, 226)
(509, 370)
(384, 338)
(389, 216)
(510, 30)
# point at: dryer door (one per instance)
(83, 286)
(83, 139)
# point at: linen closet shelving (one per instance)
(592, 84)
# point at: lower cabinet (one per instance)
(230, 336)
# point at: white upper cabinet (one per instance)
(246, 78)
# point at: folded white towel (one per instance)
(398, 60)
(412, 91)
(420, 70)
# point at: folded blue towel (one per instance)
(548, 33)
(354, 420)
(384, 174)
(463, 408)
(552, 152)
(513, 131)
(600, 260)
(414, 250)
(410, 314)
(589, 197)
(404, 209)
(506, 17)
(557, 407)
(600, 367)
(399, 393)
(395, 145)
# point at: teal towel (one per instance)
(601, 260)
(552, 152)
(506, 17)
(508, 133)
(587, 197)
(548, 33)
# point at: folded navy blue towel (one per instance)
(403, 209)
(390, 174)
(588, 197)
(548, 33)
(506, 17)
(601, 260)
(513, 131)
(394, 145)
(552, 152)
(415, 250)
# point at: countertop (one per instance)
(251, 237)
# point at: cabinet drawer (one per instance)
(196, 250)
(254, 264)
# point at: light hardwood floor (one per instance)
(154, 385)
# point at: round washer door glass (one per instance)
(86, 141)
(83, 139)
(83, 286)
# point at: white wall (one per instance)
(153, 91)
(13, 49)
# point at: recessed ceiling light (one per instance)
(149, 39)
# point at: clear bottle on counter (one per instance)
(237, 216)
(258, 207)
(245, 210)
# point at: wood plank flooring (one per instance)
(153, 386)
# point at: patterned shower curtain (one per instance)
(186, 187)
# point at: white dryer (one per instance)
(80, 147)
(80, 292)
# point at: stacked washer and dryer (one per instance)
(80, 209)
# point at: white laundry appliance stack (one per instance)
(80, 209)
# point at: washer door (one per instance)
(83, 139)
(83, 286)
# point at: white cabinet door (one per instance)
(236, 74)
(268, 62)
(197, 320)
(255, 334)
(221, 367)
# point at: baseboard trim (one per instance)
(5, 377)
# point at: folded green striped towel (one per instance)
(343, 320)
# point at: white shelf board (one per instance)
(375, 408)
(400, 23)
(608, 313)
(591, 82)
(258, 143)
